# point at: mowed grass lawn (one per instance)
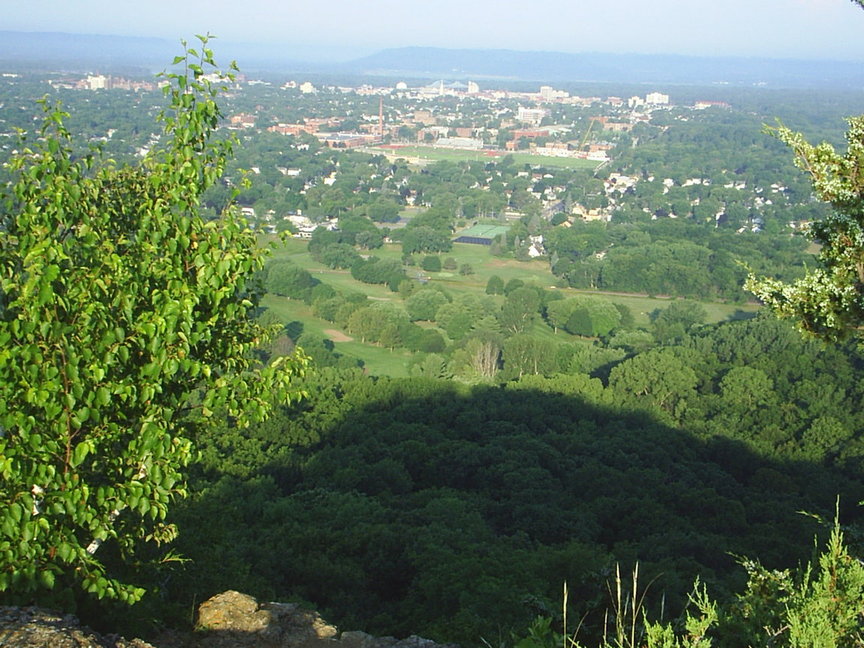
(397, 362)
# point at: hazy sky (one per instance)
(831, 29)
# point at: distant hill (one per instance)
(80, 52)
(619, 68)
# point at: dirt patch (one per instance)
(337, 336)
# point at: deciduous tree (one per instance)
(124, 326)
(495, 285)
(828, 301)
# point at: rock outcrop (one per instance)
(232, 619)
(228, 620)
(235, 620)
(32, 627)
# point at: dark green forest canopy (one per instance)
(424, 506)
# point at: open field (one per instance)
(377, 360)
(435, 154)
(383, 361)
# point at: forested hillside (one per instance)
(420, 505)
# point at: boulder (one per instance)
(233, 619)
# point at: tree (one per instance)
(483, 354)
(460, 315)
(513, 284)
(558, 312)
(286, 279)
(379, 271)
(579, 322)
(495, 285)
(528, 355)
(423, 304)
(829, 301)
(338, 255)
(677, 319)
(370, 240)
(660, 376)
(585, 316)
(383, 210)
(422, 238)
(125, 326)
(364, 323)
(745, 388)
(431, 264)
(602, 315)
(519, 310)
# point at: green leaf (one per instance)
(103, 396)
(79, 454)
(46, 578)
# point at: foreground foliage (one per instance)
(123, 328)
(819, 604)
(829, 300)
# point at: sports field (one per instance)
(435, 154)
(483, 231)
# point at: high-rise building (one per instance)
(98, 82)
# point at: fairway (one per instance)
(381, 361)
(436, 154)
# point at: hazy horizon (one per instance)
(340, 31)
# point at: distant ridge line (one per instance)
(66, 51)
(603, 67)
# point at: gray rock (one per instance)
(228, 620)
(33, 627)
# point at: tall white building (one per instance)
(98, 82)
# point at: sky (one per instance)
(344, 29)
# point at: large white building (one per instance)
(548, 93)
(531, 115)
(97, 82)
(657, 99)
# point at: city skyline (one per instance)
(340, 30)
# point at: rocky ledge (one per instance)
(228, 620)
(32, 627)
